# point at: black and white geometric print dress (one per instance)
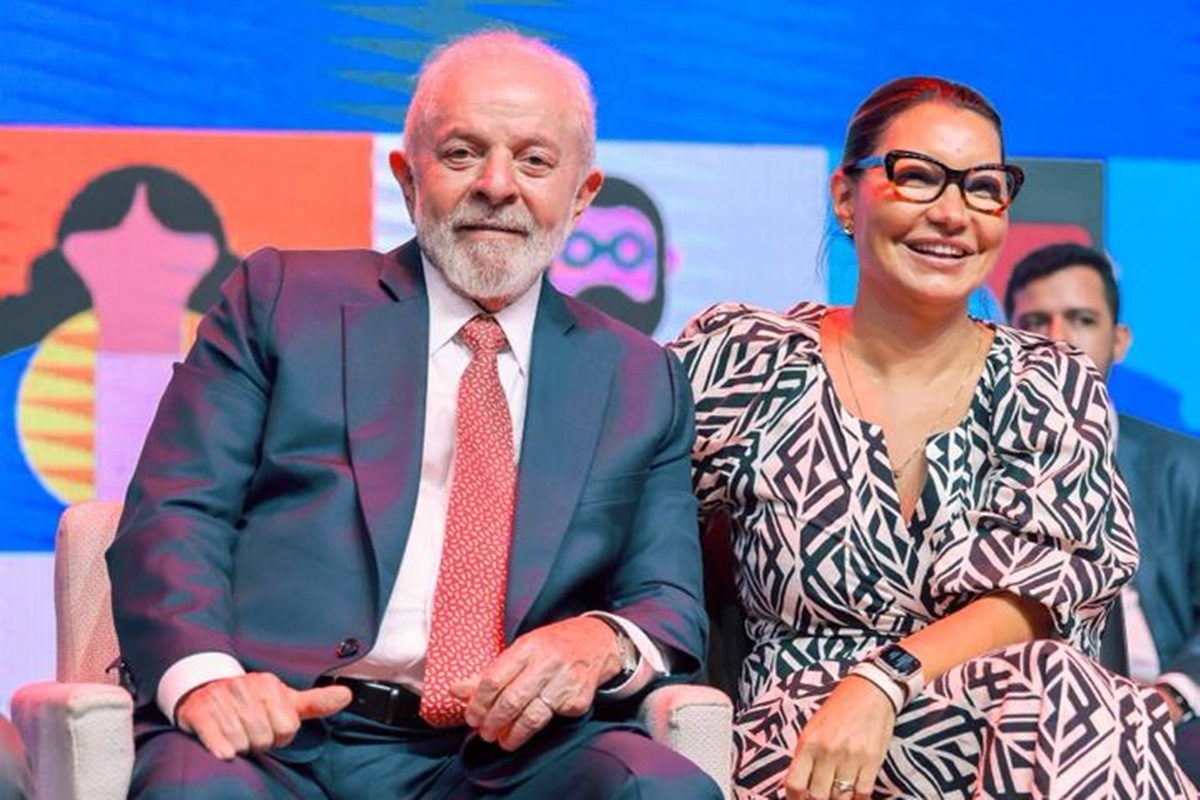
(1021, 496)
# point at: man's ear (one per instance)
(587, 193)
(402, 170)
(1122, 338)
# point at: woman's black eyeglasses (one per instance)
(918, 178)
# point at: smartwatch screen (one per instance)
(899, 659)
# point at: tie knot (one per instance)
(482, 334)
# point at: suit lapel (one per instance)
(569, 379)
(386, 355)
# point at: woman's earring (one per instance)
(848, 228)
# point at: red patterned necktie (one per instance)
(467, 629)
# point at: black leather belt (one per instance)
(381, 701)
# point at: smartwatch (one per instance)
(902, 667)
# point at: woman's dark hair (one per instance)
(895, 97)
(56, 291)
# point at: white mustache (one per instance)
(509, 219)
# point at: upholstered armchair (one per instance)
(79, 729)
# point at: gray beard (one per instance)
(489, 271)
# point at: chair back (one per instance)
(1114, 648)
(728, 642)
(86, 639)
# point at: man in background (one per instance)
(1069, 292)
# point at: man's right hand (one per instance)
(252, 713)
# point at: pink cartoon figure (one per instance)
(140, 254)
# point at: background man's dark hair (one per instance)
(1050, 259)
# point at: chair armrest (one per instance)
(697, 722)
(79, 737)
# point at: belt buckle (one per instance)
(393, 695)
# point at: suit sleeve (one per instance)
(170, 563)
(1187, 505)
(658, 585)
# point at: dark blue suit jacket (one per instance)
(1162, 471)
(271, 506)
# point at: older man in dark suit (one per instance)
(1068, 292)
(414, 524)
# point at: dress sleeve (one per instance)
(709, 348)
(1052, 520)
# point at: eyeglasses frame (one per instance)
(1016, 176)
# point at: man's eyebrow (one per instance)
(453, 132)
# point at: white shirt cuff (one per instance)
(191, 672)
(1185, 686)
(652, 661)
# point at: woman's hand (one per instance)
(843, 743)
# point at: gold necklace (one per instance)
(897, 471)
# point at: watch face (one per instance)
(899, 660)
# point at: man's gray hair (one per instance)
(483, 45)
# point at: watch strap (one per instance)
(629, 655)
(883, 681)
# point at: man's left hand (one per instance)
(552, 670)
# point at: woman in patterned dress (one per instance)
(927, 522)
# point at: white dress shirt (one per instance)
(398, 654)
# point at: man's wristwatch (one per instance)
(628, 652)
(1186, 712)
(902, 667)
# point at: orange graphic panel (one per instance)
(289, 190)
(111, 245)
